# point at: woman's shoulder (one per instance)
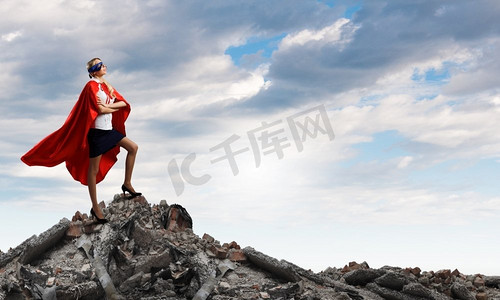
(93, 83)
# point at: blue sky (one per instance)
(409, 87)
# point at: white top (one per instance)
(103, 121)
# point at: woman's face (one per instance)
(102, 71)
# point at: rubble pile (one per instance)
(412, 283)
(150, 252)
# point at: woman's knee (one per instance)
(133, 148)
(129, 145)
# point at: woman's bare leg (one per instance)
(131, 148)
(91, 182)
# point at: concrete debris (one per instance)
(207, 288)
(150, 252)
(100, 270)
(35, 246)
(362, 276)
(392, 280)
(492, 281)
(279, 268)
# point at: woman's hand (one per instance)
(105, 108)
(115, 105)
(99, 102)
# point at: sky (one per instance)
(319, 132)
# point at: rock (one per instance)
(388, 293)
(48, 239)
(224, 285)
(92, 227)
(51, 281)
(206, 289)
(145, 264)
(272, 265)
(286, 291)
(343, 296)
(87, 290)
(132, 282)
(237, 255)
(415, 271)
(140, 199)
(219, 252)
(177, 218)
(362, 276)
(493, 281)
(459, 291)
(392, 280)
(75, 230)
(49, 293)
(478, 282)
(233, 245)
(416, 289)
(354, 266)
(424, 280)
(77, 217)
(141, 236)
(207, 237)
(443, 274)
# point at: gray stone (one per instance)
(170, 293)
(35, 246)
(146, 278)
(272, 265)
(50, 293)
(6, 258)
(142, 236)
(206, 289)
(132, 282)
(145, 263)
(44, 241)
(459, 291)
(390, 294)
(84, 291)
(493, 281)
(224, 285)
(362, 276)
(416, 289)
(424, 280)
(100, 269)
(392, 280)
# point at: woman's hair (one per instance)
(95, 61)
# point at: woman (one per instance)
(91, 137)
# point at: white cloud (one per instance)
(9, 37)
(339, 32)
(405, 161)
(200, 84)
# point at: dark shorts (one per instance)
(101, 141)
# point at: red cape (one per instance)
(69, 143)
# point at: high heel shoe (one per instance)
(99, 220)
(132, 194)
